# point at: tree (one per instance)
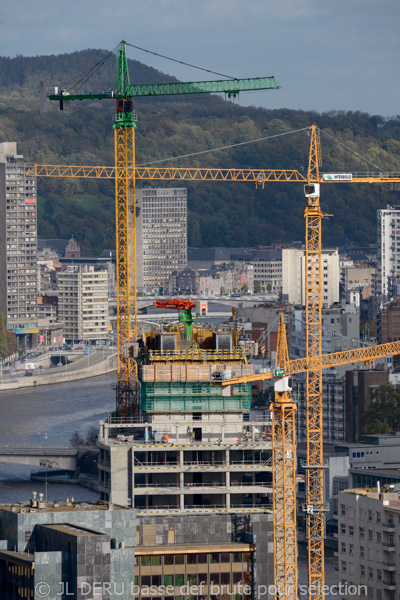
(76, 439)
(3, 338)
(91, 436)
(87, 462)
(245, 288)
(257, 287)
(383, 416)
(11, 342)
(269, 287)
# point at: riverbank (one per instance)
(66, 477)
(103, 367)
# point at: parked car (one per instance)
(28, 374)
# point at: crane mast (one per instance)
(125, 220)
(127, 403)
(313, 318)
(284, 476)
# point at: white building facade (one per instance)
(83, 303)
(293, 282)
(388, 251)
(161, 236)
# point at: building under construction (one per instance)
(195, 464)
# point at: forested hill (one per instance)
(230, 214)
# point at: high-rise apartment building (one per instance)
(18, 246)
(368, 544)
(388, 251)
(83, 303)
(161, 236)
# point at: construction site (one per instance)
(214, 484)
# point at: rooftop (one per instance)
(68, 506)
(193, 548)
(72, 529)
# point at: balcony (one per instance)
(389, 527)
(390, 584)
(389, 546)
(389, 566)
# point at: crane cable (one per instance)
(181, 62)
(268, 137)
(353, 151)
(86, 76)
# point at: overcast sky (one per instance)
(326, 54)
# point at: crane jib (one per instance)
(228, 86)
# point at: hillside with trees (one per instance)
(226, 214)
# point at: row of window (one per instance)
(190, 559)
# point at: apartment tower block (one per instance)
(18, 246)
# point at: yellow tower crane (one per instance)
(314, 358)
(284, 449)
(125, 208)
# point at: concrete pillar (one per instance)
(176, 434)
(223, 432)
(182, 501)
(106, 433)
(227, 455)
(146, 434)
(181, 480)
(181, 458)
(101, 430)
(228, 500)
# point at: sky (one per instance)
(340, 55)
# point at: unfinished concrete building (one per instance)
(193, 464)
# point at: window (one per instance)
(370, 573)
(379, 575)
(342, 509)
(343, 528)
(351, 549)
(362, 552)
(362, 570)
(214, 558)
(378, 537)
(351, 530)
(370, 535)
(343, 548)
(343, 566)
(370, 554)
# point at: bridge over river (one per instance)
(63, 457)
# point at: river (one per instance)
(50, 415)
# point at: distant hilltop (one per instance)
(229, 214)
